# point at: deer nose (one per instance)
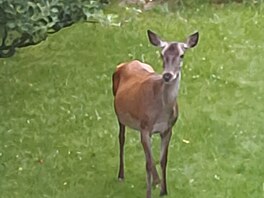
(166, 77)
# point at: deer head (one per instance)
(172, 54)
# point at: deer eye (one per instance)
(182, 56)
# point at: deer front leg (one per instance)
(145, 140)
(165, 140)
(121, 154)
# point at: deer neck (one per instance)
(170, 92)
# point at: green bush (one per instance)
(24, 23)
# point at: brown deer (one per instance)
(147, 101)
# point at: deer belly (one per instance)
(127, 120)
(160, 127)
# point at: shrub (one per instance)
(24, 23)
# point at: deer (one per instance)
(147, 102)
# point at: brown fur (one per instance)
(135, 91)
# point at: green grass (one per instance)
(59, 134)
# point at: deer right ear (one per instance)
(154, 39)
(192, 40)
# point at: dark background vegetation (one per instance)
(24, 23)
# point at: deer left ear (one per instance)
(154, 39)
(192, 40)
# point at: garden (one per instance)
(58, 129)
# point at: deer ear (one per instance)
(154, 39)
(192, 40)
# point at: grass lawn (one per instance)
(59, 134)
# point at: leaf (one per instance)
(21, 9)
(54, 10)
(11, 25)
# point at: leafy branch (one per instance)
(24, 23)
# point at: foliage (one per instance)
(24, 23)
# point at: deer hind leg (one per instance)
(165, 140)
(145, 140)
(155, 175)
(121, 154)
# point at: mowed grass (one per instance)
(59, 134)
